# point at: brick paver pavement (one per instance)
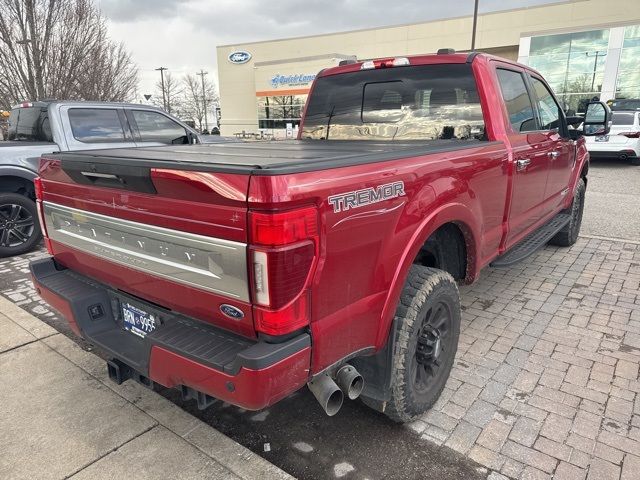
(545, 383)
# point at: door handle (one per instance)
(553, 155)
(522, 164)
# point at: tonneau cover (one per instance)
(266, 158)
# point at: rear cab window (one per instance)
(30, 124)
(96, 125)
(422, 102)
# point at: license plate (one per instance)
(602, 138)
(137, 321)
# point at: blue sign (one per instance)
(291, 80)
(239, 57)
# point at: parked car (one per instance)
(623, 141)
(245, 271)
(624, 104)
(37, 128)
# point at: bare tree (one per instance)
(193, 103)
(60, 49)
(174, 93)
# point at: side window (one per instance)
(155, 127)
(516, 98)
(547, 107)
(96, 125)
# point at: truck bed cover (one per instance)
(262, 158)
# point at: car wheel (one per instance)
(428, 319)
(635, 161)
(19, 226)
(569, 233)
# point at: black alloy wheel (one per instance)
(19, 226)
(432, 346)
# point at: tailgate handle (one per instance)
(103, 179)
(101, 175)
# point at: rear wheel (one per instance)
(428, 317)
(569, 233)
(19, 226)
(635, 161)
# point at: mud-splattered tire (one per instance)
(428, 327)
(569, 234)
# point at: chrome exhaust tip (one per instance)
(327, 393)
(350, 381)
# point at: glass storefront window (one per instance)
(628, 85)
(573, 64)
(274, 112)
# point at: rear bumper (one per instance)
(614, 153)
(180, 352)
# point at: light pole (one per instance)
(595, 65)
(164, 97)
(475, 23)
(204, 99)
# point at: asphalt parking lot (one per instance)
(545, 382)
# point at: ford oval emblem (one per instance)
(231, 311)
(239, 57)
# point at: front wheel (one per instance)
(19, 226)
(569, 233)
(428, 318)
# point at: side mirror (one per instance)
(597, 120)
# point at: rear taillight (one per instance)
(630, 134)
(39, 190)
(283, 253)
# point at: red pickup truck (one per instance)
(244, 271)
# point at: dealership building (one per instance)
(584, 48)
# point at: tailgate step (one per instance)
(532, 242)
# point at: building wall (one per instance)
(499, 33)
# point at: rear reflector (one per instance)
(283, 250)
(37, 183)
(289, 319)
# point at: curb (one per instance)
(239, 460)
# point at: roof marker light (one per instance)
(368, 65)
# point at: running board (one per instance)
(532, 242)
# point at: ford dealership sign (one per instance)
(239, 57)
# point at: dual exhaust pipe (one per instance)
(330, 393)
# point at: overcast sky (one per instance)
(183, 34)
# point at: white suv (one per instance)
(623, 141)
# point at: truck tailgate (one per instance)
(175, 238)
